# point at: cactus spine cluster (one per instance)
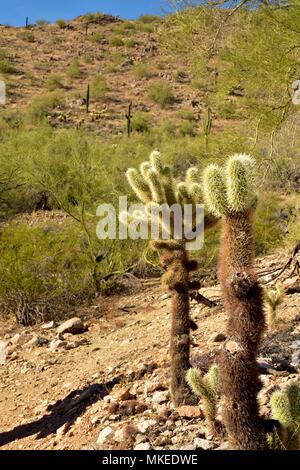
(154, 184)
(273, 298)
(229, 194)
(285, 408)
(206, 387)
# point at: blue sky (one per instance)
(14, 12)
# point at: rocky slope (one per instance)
(105, 386)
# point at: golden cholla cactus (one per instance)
(154, 184)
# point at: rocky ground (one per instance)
(100, 381)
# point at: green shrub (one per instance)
(116, 41)
(141, 121)
(61, 23)
(96, 37)
(41, 106)
(188, 128)
(148, 19)
(145, 28)
(54, 82)
(199, 84)
(98, 88)
(227, 110)
(161, 93)
(42, 269)
(142, 70)
(27, 36)
(73, 70)
(42, 22)
(3, 53)
(6, 66)
(186, 114)
(131, 43)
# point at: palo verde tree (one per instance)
(229, 194)
(154, 186)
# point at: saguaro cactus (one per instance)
(129, 117)
(207, 125)
(229, 194)
(87, 100)
(154, 184)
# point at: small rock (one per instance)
(73, 326)
(187, 411)
(62, 430)
(151, 386)
(48, 326)
(203, 443)
(3, 352)
(104, 434)
(57, 344)
(217, 338)
(143, 446)
(122, 394)
(160, 397)
(140, 438)
(143, 426)
(21, 339)
(36, 341)
(126, 434)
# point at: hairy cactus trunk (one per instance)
(180, 334)
(243, 302)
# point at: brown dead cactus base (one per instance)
(243, 302)
(176, 279)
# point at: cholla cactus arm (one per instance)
(214, 190)
(144, 168)
(293, 394)
(201, 387)
(239, 182)
(212, 378)
(183, 195)
(156, 162)
(139, 185)
(157, 190)
(280, 407)
(168, 184)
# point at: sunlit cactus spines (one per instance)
(214, 190)
(239, 182)
(212, 378)
(273, 298)
(144, 168)
(206, 387)
(155, 185)
(156, 161)
(229, 194)
(183, 194)
(293, 393)
(285, 406)
(192, 175)
(280, 406)
(138, 185)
